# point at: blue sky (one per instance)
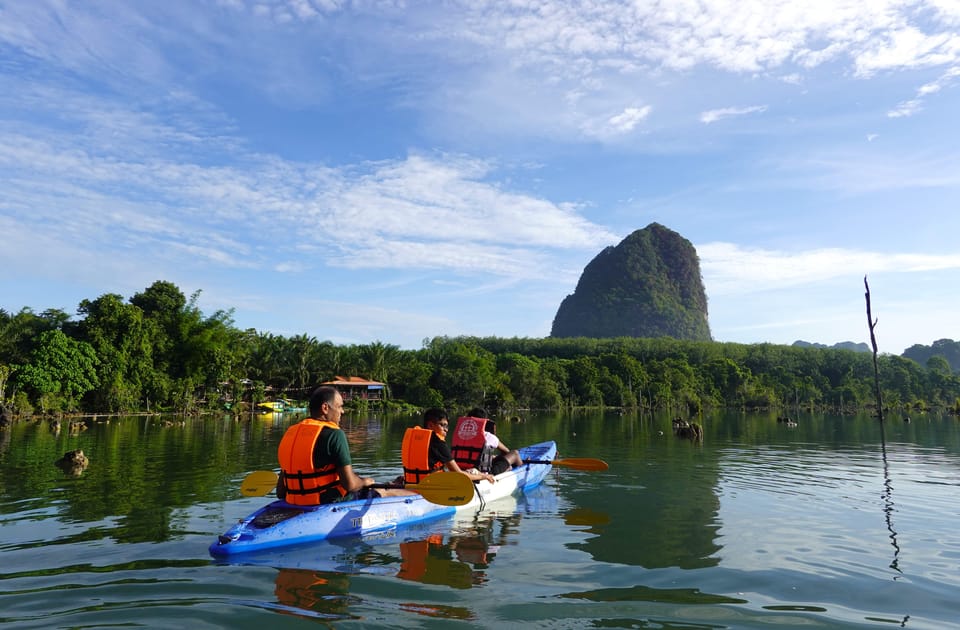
(391, 171)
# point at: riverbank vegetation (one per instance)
(157, 352)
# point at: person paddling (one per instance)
(425, 450)
(316, 467)
(476, 445)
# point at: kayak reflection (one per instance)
(324, 593)
(457, 556)
(331, 579)
(430, 561)
(461, 560)
(328, 595)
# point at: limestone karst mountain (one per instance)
(647, 286)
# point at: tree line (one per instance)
(157, 352)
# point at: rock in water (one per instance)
(73, 463)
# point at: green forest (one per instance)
(157, 352)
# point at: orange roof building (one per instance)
(356, 387)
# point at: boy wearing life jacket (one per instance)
(425, 449)
(476, 445)
(316, 467)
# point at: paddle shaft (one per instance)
(577, 463)
(443, 488)
(263, 481)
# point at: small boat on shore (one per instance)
(280, 406)
(280, 524)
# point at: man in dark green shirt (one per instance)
(332, 477)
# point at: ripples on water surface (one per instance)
(760, 526)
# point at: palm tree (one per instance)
(379, 360)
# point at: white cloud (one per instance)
(629, 118)
(438, 211)
(745, 36)
(857, 172)
(607, 53)
(906, 108)
(447, 197)
(914, 105)
(908, 47)
(113, 159)
(604, 127)
(732, 269)
(289, 267)
(714, 115)
(948, 11)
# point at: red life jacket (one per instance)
(415, 455)
(469, 447)
(304, 484)
(472, 550)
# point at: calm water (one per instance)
(762, 525)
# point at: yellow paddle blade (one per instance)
(258, 483)
(445, 488)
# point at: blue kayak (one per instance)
(279, 523)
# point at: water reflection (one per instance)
(431, 562)
(455, 554)
(327, 594)
(585, 517)
(136, 472)
(647, 594)
(667, 508)
(460, 560)
(888, 507)
(322, 593)
(5, 433)
(804, 529)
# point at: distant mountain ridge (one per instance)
(843, 345)
(948, 349)
(647, 286)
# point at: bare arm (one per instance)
(474, 475)
(351, 481)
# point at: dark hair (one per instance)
(325, 394)
(433, 414)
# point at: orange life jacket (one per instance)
(415, 455)
(304, 484)
(469, 446)
(309, 590)
(413, 557)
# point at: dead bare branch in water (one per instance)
(888, 506)
(873, 341)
